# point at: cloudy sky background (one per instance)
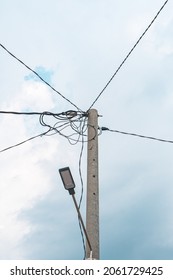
(77, 46)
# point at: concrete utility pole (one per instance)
(92, 211)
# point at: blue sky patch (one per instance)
(42, 72)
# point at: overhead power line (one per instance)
(27, 140)
(43, 80)
(136, 135)
(28, 113)
(67, 113)
(70, 124)
(127, 56)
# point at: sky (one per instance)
(76, 46)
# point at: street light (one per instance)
(69, 185)
(67, 179)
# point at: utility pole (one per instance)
(92, 211)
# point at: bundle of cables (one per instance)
(70, 124)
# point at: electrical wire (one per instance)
(20, 113)
(62, 122)
(83, 128)
(35, 73)
(70, 125)
(29, 113)
(27, 140)
(128, 55)
(136, 135)
(70, 118)
(82, 236)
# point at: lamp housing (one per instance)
(67, 179)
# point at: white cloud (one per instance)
(24, 176)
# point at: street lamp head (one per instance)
(67, 179)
